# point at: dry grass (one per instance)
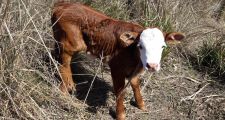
(29, 86)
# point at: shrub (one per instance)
(211, 57)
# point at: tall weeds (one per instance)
(27, 79)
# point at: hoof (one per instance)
(142, 106)
(120, 116)
(69, 88)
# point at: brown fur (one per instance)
(80, 28)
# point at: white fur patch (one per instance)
(151, 41)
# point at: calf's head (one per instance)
(151, 43)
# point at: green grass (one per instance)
(211, 57)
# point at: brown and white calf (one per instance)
(131, 47)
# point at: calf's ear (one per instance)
(128, 38)
(174, 38)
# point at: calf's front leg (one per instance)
(135, 84)
(118, 84)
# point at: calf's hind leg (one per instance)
(67, 84)
(72, 43)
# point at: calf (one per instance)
(130, 48)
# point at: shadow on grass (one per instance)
(83, 78)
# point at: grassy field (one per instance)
(190, 85)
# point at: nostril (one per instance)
(148, 66)
(155, 65)
(152, 66)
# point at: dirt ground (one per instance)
(175, 93)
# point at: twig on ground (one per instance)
(149, 78)
(192, 97)
(192, 79)
(210, 96)
(188, 78)
(8, 31)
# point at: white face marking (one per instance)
(151, 44)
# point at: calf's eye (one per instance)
(140, 46)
